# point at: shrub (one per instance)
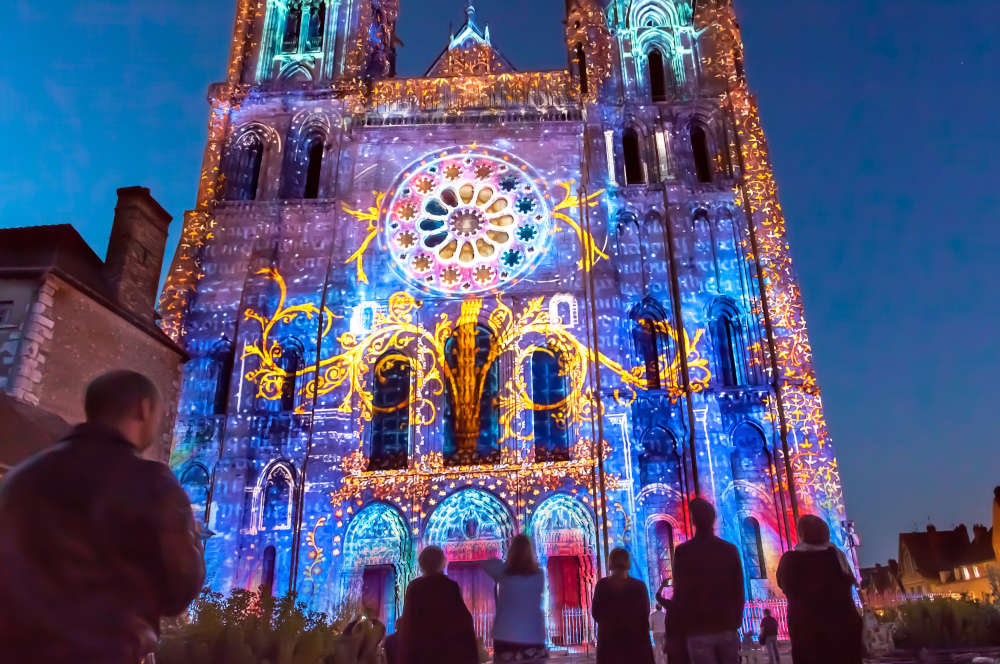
(947, 623)
(255, 628)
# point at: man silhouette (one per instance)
(96, 543)
(708, 591)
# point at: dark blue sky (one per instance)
(882, 121)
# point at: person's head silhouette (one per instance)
(703, 516)
(432, 560)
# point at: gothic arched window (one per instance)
(276, 510)
(293, 27)
(660, 463)
(267, 571)
(390, 439)
(548, 392)
(291, 363)
(317, 21)
(702, 158)
(633, 157)
(727, 335)
(472, 430)
(649, 340)
(753, 548)
(657, 75)
(222, 360)
(243, 168)
(195, 482)
(314, 166)
(581, 63)
(660, 550)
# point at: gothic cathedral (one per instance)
(449, 309)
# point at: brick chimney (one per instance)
(135, 251)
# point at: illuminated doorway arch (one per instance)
(565, 538)
(377, 561)
(472, 525)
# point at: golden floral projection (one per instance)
(513, 335)
(814, 468)
(570, 201)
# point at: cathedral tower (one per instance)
(450, 308)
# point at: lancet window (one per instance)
(702, 157)
(472, 430)
(631, 146)
(390, 435)
(221, 361)
(650, 341)
(660, 462)
(295, 32)
(276, 508)
(753, 548)
(291, 363)
(548, 392)
(195, 482)
(657, 75)
(727, 336)
(314, 166)
(243, 166)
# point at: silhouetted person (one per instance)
(708, 591)
(519, 626)
(621, 610)
(675, 642)
(436, 627)
(823, 621)
(769, 637)
(96, 543)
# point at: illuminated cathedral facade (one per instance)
(449, 309)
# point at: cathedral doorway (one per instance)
(378, 584)
(377, 562)
(564, 534)
(564, 599)
(472, 525)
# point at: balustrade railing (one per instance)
(535, 90)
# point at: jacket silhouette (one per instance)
(96, 545)
(436, 627)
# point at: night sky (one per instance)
(882, 121)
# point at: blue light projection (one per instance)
(475, 328)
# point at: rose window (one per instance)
(466, 222)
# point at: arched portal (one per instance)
(564, 535)
(377, 562)
(472, 525)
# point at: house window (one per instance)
(6, 312)
(548, 392)
(391, 414)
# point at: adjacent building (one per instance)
(938, 563)
(451, 308)
(66, 316)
